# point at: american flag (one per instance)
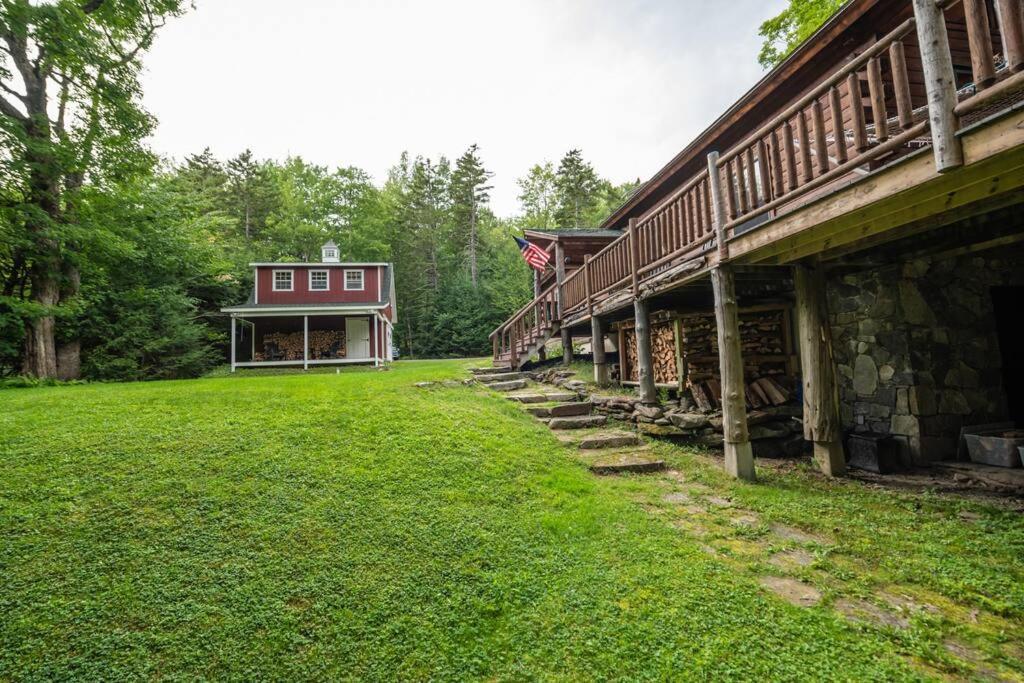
(532, 254)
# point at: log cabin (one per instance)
(853, 224)
(325, 313)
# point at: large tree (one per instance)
(69, 112)
(792, 26)
(470, 192)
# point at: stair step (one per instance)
(580, 422)
(540, 398)
(499, 377)
(539, 411)
(490, 370)
(626, 462)
(610, 440)
(512, 385)
(571, 409)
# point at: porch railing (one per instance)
(822, 139)
(528, 325)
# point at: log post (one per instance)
(821, 399)
(634, 257)
(587, 284)
(496, 343)
(560, 278)
(644, 360)
(717, 206)
(597, 333)
(739, 456)
(232, 342)
(939, 84)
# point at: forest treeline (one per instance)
(114, 263)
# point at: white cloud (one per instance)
(356, 82)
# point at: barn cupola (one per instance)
(329, 252)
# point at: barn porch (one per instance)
(328, 337)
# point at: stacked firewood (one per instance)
(762, 339)
(663, 352)
(323, 344)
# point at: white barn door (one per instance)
(357, 338)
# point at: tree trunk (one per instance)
(69, 361)
(40, 358)
(472, 245)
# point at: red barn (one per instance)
(326, 313)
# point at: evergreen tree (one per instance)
(577, 188)
(250, 193)
(469, 194)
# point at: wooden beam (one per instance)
(597, 333)
(739, 456)
(821, 392)
(939, 83)
(233, 342)
(644, 360)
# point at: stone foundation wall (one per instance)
(916, 348)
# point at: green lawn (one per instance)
(354, 526)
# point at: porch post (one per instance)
(821, 401)
(644, 361)
(305, 342)
(560, 278)
(939, 84)
(739, 456)
(376, 341)
(597, 332)
(232, 342)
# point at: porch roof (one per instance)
(300, 309)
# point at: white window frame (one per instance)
(330, 253)
(362, 280)
(291, 280)
(327, 284)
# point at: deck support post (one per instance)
(818, 369)
(597, 334)
(232, 342)
(305, 342)
(644, 360)
(939, 84)
(739, 456)
(560, 278)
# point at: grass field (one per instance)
(354, 526)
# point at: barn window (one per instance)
(318, 281)
(354, 280)
(282, 280)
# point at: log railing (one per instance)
(527, 325)
(997, 70)
(862, 115)
(803, 148)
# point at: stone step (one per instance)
(571, 409)
(626, 462)
(580, 422)
(512, 385)
(541, 398)
(499, 377)
(610, 440)
(538, 411)
(491, 370)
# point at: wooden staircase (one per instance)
(526, 332)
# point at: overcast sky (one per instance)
(347, 82)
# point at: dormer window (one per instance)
(283, 281)
(353, 280)
(318, 281)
